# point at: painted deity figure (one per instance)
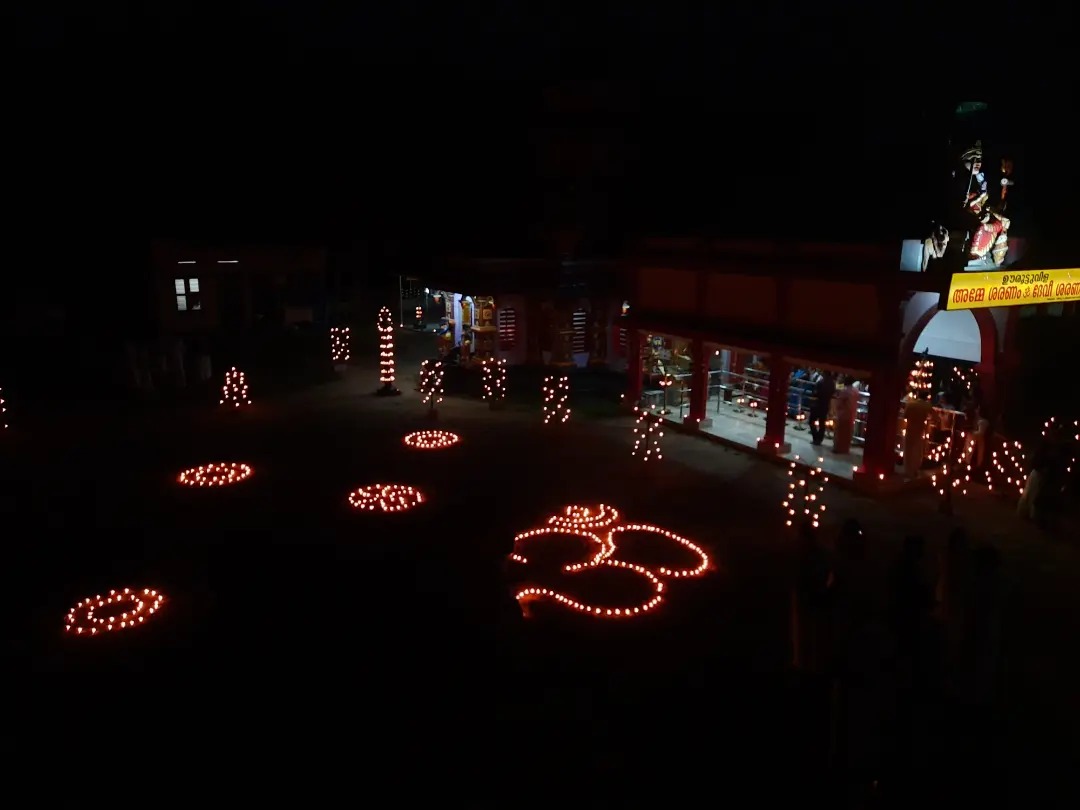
(991, 240)
(976, 193)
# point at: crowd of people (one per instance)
(1048, 477)
(935, 630)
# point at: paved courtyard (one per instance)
(302, 629)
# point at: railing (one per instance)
(745, 390)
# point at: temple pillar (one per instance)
(699, 386)
(988, 388)
(879, 449)
(772, 443)
(738, 362)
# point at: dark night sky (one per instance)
(425, 124)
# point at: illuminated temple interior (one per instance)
(739, 383)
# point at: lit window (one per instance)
(507, 322)
(187, 294)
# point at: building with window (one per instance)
(729, 339)
(845, 341)
(529, 312)
(204, 289)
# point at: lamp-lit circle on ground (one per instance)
(117, 610)
(576, 516)
(431, 439)
(386, 498)
(217, 474)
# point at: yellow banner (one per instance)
(1013, 288)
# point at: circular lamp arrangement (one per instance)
(216, 474)
(118, 610)
(431, 439)
(583, 521)
(385, 498)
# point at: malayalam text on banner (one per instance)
(1013, 288)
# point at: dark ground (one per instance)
(306, 646)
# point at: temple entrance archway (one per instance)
(964, 335)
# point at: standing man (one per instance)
(819, 409)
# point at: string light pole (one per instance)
(919, 385)
(431, 386)
(806, 489)
(494, 382)
(955, 472)
(1007, 465)
(235, 390)
(921, 379)
(385, 325)
(648, 431)
(339, 346)
(556, 396)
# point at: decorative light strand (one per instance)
(602, 546)
(805, 494)
(601, 558)
(431, 439)
(3, 410)
(963, 378)
(217, 474)
(235, 390)
(648, 431)
(585, 517)
(385, 326)
(556, 393)
(128, 608)
(678, 573)
(1009, 465)
(921, 378)
(580, 521)
(494, 379)
(385, 498)
(955, 469)
(431, 383)
(1050, 424)
(340, 338)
